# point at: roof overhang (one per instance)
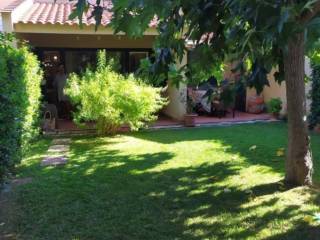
(70, 29)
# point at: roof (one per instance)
(57, 12)
(50, 12)
(9, 5)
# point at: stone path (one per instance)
(57, 154)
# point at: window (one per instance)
(134, 60)
(78, 61)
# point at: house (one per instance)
(60, 41)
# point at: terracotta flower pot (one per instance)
(190, 120)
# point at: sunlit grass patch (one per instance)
(204, 183)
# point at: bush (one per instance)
(274, 105)
(314, 117)
(20, 78)
(112, 99)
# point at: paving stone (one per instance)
(59, 148)
(54, 161)
(61, 141)
(57, 153)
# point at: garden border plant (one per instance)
(112, 99)
(314, 117)
(274, 106)
(20, 79)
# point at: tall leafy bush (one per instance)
(20, 78)
(112, 99)
(314, 117)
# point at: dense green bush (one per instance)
(314, 117)
(20, 78)
(274, 105)
(112, 99)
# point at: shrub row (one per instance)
(314, 117)
(20, 79)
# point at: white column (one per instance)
(177, 106)
(7, 24)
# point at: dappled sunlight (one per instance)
(192, 184)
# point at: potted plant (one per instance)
(274, 106)
(190, 117)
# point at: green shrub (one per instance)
(112, 99)
(20, 78)
(274, 105)
(314, 117)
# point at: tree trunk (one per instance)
(299, 157)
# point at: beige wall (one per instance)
(279, 91)
(275, 90)
(85, 41)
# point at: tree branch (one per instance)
(310, 14)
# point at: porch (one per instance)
(165, 122)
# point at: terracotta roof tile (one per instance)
(9, 5)
(48, 11)
(57, 12)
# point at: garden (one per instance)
(205, 183)
(245, 181)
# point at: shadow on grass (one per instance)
(106, 194)
(268, 137)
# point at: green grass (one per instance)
(168, 184)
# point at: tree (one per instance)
(269, 34)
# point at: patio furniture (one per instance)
(218, 106)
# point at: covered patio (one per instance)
(165, 122)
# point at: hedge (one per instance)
(314, 117)
(20, 79)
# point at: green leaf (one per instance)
(81, 7)
(283, 18)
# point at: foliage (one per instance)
(172, 179)
(20, 78)
(274, 105)
(112, 99)
(145, 73)
(228, 95)
(314, 117)
(271, 34)
(241, 30)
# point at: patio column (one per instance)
(177, 106)
(7, 25)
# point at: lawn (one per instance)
(206, 183)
